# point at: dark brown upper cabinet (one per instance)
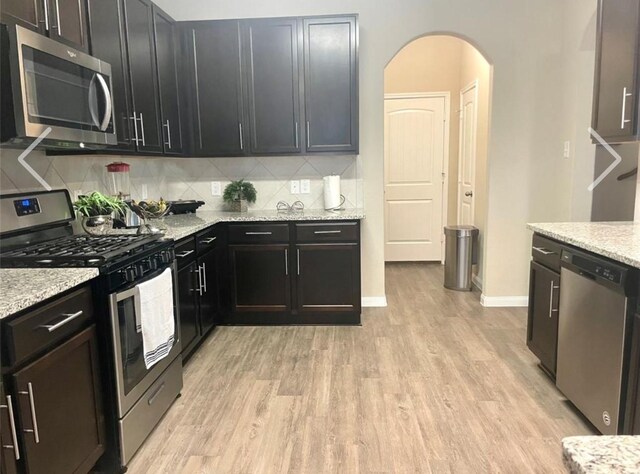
(331, 84)
(616, 90)
(272, 49)
(62, 20)
(145, 107)
(166, 56)
(220, 128)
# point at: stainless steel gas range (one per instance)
(36, 231)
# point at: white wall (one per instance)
(525, 42)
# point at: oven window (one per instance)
(131, 352)
(60, 93)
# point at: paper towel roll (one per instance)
(332, 198)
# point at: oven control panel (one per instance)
(26, 206)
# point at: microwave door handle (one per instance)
(93, 101)
(107, 97)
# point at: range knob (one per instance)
(130, 273)
(165, 256)
(153, 263)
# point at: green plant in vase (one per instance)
(237, 194)
(96, 211)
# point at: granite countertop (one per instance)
(601, 454)
(24, 287)
(183, 225)
(619, 241)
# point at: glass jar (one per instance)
(119, 180)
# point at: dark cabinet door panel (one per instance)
(260, 278)
(188, 292)
(69, 22)
(542, 327)
(331, 84)
(615, 114)
(171, 124)
(273, 85)
(142, 70)
(106, 21)
(220, 128)
(328, 277)
(209, 301)
(60, 405)
(27, 13)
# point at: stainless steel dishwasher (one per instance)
(596, 302)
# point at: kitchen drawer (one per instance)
(51, 323)
(207, 239)
(185, 251)
(328, 232)
(547, 251)
(258, 233)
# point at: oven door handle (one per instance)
(132, 289)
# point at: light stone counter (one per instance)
(619, 241)
(601, 454)
(24, 287)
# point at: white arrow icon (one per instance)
(616, 162)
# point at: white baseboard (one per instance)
(374, 301)
(477, 282)
(504, 301)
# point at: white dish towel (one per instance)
(156, 317)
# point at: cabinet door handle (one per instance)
(296, 134)
(286, 262)
(34, 418)
(625, 94)
(144, 143)
(46, 15)
(185, 254)
(551, 310)
(195, 74)
(204, 276)
(209, 240)
(200, 289)
(241, 136)
(543, 251)
(68, 319)
(308, 135)
(327, 231)
(258, 233)
(135, 127)
(58, 26)
(168, 127)
(298, 259)
(12, 423)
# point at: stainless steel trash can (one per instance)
(461, 250)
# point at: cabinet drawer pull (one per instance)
(551, 310)
(209, 240)
(34, 418)
(68, 319)
(153, 397)
(185, 254)
(258, 233)
(544, 251)
(625, 94)
(12, 423)
(327, 231)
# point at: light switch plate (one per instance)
(216, 188)
(305, 186)
(144, 190)
(295, 186)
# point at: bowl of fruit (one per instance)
(151, 209)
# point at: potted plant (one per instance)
(238, 193)
(96, 211)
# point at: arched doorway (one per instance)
(437, 107)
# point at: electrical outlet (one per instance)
(144, 191)
(305, 186)
(567, 149)
(216, 188)
(295, 186)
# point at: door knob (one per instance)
(469, 194)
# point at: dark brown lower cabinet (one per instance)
(542, 327)
(9, 448)
(328, 277)
(260, 275)
(210, 299)
(58, 401)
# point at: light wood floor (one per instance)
(433, 383)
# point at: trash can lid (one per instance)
(461, 230)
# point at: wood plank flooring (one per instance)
(435, 383)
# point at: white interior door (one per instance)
(414, 155)
(467, 154)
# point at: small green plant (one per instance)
(97, 204)
(239, 190)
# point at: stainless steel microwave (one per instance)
(54, 94)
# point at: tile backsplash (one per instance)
(189, 178)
